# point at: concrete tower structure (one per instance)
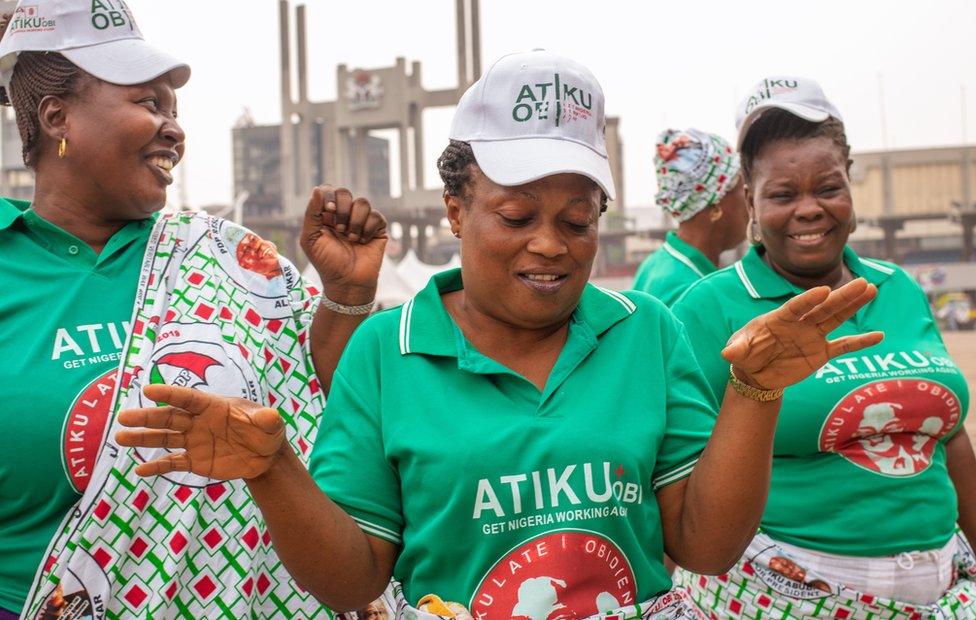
(328, 140)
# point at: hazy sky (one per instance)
(679, 64)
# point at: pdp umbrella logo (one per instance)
(559, 575)
(891, 427)
(195, 355)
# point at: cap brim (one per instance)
(128, 61)
(515, 162)
(811, 114)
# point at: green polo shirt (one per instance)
(498, 494)
(64, 315)
(859, 464)
(671, 269)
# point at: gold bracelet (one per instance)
(763, 396)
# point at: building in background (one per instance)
(336, 141)
(257, 168)
(915, 205)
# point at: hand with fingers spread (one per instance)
(785, 346)
(220, 437)
(344, 238)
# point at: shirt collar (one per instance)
(688, 254)
(11, 210)
(427, 328)
(762, 282)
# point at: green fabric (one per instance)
(64, 315)
(859, 452)
(485, 482)
(671, 269)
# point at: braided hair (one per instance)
(776, 124)
(37, 75)
(454, 166)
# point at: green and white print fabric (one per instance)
(768, 583)
(180, 545)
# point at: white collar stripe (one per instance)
(621, 299)
(877, 266)
(405, 315)
(681, 257)
(740, 270)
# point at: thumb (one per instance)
(736, 348)
(267, 420)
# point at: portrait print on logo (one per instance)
(253, 264)
(80, 594)
(561, 574)
(891, 427)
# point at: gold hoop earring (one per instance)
(62, 148)
(715, 214)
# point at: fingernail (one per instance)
(341, 227)
(330, 206)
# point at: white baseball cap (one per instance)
(99, 36)
(532, 115)
(799, 96)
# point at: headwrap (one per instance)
(694, 170)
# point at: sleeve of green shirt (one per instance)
(349, 460)
(699, 311)
(691, 409)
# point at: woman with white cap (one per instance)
(699, 185)
(102, 295)
(872, 467)
(513, 438)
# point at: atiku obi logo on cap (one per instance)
(769, 88)
(570, 102)
(110, 14)
(30, 19)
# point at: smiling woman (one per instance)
(515, 440)
(872, 467)
(102, 295)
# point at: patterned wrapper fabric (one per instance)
(218, 311)
(767, 583)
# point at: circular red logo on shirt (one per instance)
(565, 574)
(84, 427)
(891, 427)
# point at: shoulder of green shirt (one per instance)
(705, 288)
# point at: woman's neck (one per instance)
(702, 239)
(836, 277)
(76, 216)
(532, 352)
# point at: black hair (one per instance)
(777, 124)
(454, 166)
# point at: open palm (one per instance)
(783, 347)
(222, 438)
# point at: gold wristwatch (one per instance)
(763, 396)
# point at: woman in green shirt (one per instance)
(514, 438)
(92, 279)
(699, 184)
(872, 467)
